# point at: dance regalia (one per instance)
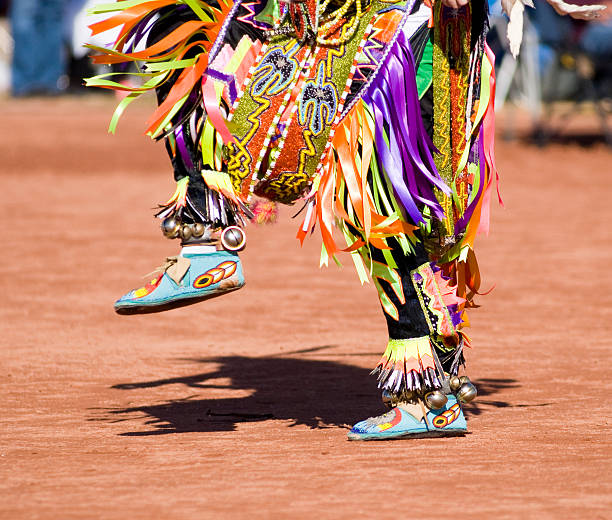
(375, 116)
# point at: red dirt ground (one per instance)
(238, 407)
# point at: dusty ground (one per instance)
(238, 408)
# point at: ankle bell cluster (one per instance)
(461, 387)
(232, 238)
(173, 228)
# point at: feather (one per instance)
(515, 11)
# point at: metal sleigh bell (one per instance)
(197, 229)
(186, 232)
(467, 391)
(233, 238)
(170, 227)
(454, 383)
(435, 400)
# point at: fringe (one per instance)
(380, 155)
(408, 365)
(164, 58)
(190, 115)
(220, 206)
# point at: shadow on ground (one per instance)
(312, 392)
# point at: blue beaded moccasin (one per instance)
(183, 280)
(411, 420)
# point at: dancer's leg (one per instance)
(423, 353)
(206, 221)
(418, 371)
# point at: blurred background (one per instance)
(564, 71)
(563, 74)
(42, 49)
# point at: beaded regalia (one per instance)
(375, 116)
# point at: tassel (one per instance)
(264, 211)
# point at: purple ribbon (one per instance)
(182, 147)
(229, 79)
(406, 158)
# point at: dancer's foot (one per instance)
(412, 420)
(197, 274)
